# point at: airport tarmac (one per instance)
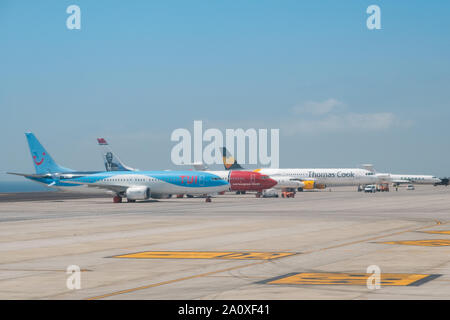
(317, 245)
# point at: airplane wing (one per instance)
(400, 181)
(115, 188)
(50, 175)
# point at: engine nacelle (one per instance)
(138, 193)
(311, 184)
(287, 182)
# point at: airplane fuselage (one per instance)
(328, 177)
(242, 180)
(409, 178)
(159, 182)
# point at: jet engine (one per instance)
(138, 193)
(311, 184)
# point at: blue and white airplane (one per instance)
(134, 185)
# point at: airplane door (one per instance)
(252, 178)
(201, 181)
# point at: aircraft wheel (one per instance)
(129, 200)
(208, 199)
(117, 199)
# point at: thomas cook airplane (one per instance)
(134, 185)
(312, 178)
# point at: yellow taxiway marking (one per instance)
(438, 231)
(206, 255)
(387, 279)
(115, 293)
(426, 243)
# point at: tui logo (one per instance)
(189, 179)
(38, 163)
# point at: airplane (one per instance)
(240, 181)
(312, 178)
(282, 181)
(143, 185)
(134, 185)
(397, 179)
(411, 178)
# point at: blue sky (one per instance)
(340, 94)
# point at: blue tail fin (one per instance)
(43, 162)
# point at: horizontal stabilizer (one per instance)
(31, 175)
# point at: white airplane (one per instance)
(403, 178)
(321, 178)
(312, 178)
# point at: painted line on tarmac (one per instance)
(227, 255)
(173, 281)
(254, 263)
(438, 232)
(332, 278)
(424, 243)
(373, 238)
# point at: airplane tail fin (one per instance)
(112, 162)
(369, 167)
(42, 161)
(229, 162)
(200, 166)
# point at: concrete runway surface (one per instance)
(317, 245)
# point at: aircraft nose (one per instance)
(270, 183)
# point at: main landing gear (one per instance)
(208, 199)
(119, 199)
